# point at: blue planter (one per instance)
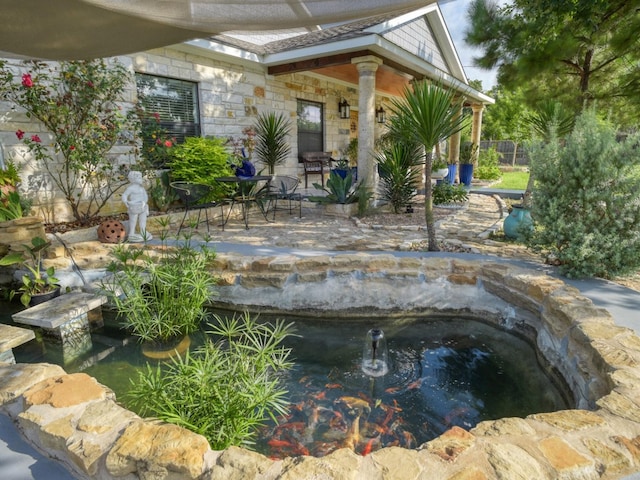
(342, 172)
(466, 174)
(518, 223)
(451, 176)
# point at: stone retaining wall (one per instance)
(74, 419)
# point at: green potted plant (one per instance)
(439, 168)
(38, 285)
(271, 145)
(343, 197)
(160, 299)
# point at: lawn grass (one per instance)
(516, 180)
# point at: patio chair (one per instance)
(284, 188)
(194, 195)
(315, 163)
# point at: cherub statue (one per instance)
(137, 201)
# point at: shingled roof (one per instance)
(319, 37)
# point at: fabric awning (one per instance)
(83, 29)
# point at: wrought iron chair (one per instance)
(194, 196)
(284, 188)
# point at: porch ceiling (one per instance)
(389, 79)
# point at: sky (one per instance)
(455, 15)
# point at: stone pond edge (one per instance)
(79, 422)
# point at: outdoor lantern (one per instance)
(344, 109)
(381, 115)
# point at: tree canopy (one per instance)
(576, 51)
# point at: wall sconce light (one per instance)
(344, 109)
(381, 115)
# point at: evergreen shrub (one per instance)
(586, 199)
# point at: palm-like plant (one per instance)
(427, 114)
(398, 175)
(271, 139)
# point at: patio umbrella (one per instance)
(83, 29)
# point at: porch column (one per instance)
(367, 67)
(476, 128)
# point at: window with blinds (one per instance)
(174, 102)
(310, 127)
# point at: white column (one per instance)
(367, 67)
(476, 128)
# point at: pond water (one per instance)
(442, 372)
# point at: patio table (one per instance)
(245, 196)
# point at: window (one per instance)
(171, 109)
(310, 127)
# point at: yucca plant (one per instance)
(398, 176)
(427, 114)
(271, 139)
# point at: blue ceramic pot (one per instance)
(466, 173)
(518, 222)
(451, 176)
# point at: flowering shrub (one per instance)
(77, 103)
(156, 142)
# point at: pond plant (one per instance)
(227, 388)
(160, 297)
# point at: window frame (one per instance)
(305, 133)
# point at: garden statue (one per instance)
(137, 201)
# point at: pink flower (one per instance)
(20, 134)
(156, 116)
(27, 81)
(90, 84)
(35, 139)
(168, 144)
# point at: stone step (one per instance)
(11, 337)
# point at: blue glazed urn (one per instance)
(518, 222)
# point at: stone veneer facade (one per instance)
(78, 421)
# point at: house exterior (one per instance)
(217, 86)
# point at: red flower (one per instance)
(90, 84)
(168, 144)
(35, 139)
(20, 134)
(27, 81)
(156, 116)
(72, 148)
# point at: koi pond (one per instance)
(440, 372)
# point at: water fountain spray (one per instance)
(374, 356)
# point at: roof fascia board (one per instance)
(211, 48)
(401, 20)
(443, 39)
